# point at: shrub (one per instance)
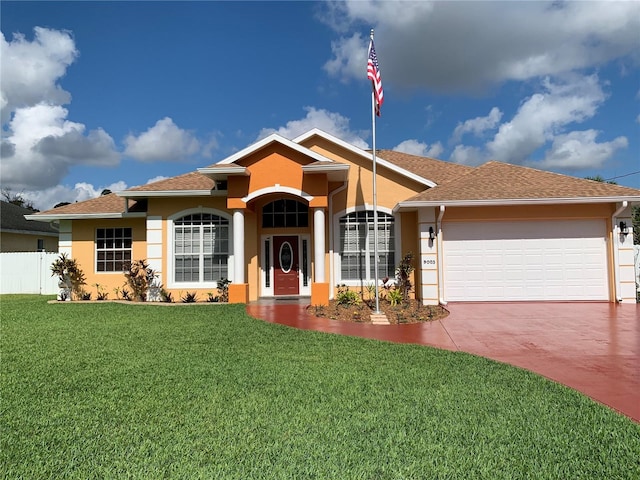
(346, 296)
(223, 290)
(102, 293)
(189, 297)
(402, 275)
(140, 277)
(395, 296)
(165, 296)
(211, 298)
(70, 277)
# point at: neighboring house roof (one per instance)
(503, 183)
(437, 170)
(12, 220)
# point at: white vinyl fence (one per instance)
(27, 272)
(636, 256)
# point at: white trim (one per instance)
(267, 292)
(277, 188)
(512, 201)
(273, 138)
(84, 216)
(364, 154)
(165, 193)
(232, 170)
(171, 283)
(238, 246)
(319, 248)
(316, 168)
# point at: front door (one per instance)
(286, 266)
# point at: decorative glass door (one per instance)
(286, 266)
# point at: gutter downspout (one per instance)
(616, 265)
(440, 259)
(332, 273)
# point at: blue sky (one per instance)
(115, 94)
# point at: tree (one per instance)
(106, 191)
(61, 204)
(18, 199)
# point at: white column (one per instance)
(318, 244)
(238, 246)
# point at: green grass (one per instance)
(126, 391)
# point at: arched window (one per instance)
(357, 246)
(285, 213)
(200, 248)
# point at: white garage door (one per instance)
(528, 260)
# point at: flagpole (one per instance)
(375, 197)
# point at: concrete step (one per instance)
(379, 319)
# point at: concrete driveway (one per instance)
(591, 347)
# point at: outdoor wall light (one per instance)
(432, 234)
(624, 230)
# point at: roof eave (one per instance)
(410, 205)
(84, 216)
(165, 193)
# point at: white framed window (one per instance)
(199, 249)
(113, 249)
(356, 247)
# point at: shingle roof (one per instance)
(502, 181)
(110, 203)
(187, 181)
(12, 219)
(438, 171)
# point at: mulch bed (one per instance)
(409, 312)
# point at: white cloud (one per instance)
(165, 141)
(156, 179)
(47, 198)
(478, 125)
(45, 145)
(39, 144)
(330, 122)
(452, 46)
(466, 155)
(544, 119)
(31, 69)
(414, 147)
(544, 115)
(579, 150)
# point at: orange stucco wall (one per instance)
(83, 237)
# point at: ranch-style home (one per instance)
(294, 218)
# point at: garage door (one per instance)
(532, 260)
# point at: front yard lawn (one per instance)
(128, 391)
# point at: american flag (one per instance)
(373, 73)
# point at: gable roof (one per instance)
(504, 183)
(105, 206)
(12, 220)
(439, 171)
(367, 154)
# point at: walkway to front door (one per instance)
(591, 347)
